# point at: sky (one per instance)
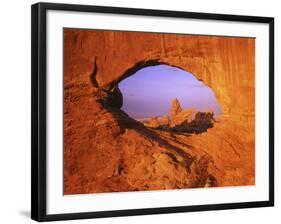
(150, 91)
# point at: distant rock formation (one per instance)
(201, 123)
(210, 114)
(165, 120)
(154, 123)
(209, 110)
(186, 115)
(178, 115)
(183, 120)
(176, 109)
(202, 116)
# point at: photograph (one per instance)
(141, 111)
(121, 112)
(146, 111)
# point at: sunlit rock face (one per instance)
(154, 123)
(105, 150)
(166, 120)
(178, 115)
(224, 64)
(175, 110)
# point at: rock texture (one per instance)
(105, 150)
(175, 109)
(154, 123)
(165, 120)
(185, 115)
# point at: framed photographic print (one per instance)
(140, 111)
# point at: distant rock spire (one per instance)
(176, 108)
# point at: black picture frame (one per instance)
(38, 108)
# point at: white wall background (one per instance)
(15, 110)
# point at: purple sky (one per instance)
(150, 91)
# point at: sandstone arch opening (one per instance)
(169, 98)
(105, 150)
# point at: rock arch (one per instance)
(225, 64)
(113, 89)
(94, 63)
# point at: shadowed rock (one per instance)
(201, 123)
(115, 97)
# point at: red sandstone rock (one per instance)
(175, 109)
(186, 115)
(165, 120)
(154, 123)
(105, 150)
(179, 116)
